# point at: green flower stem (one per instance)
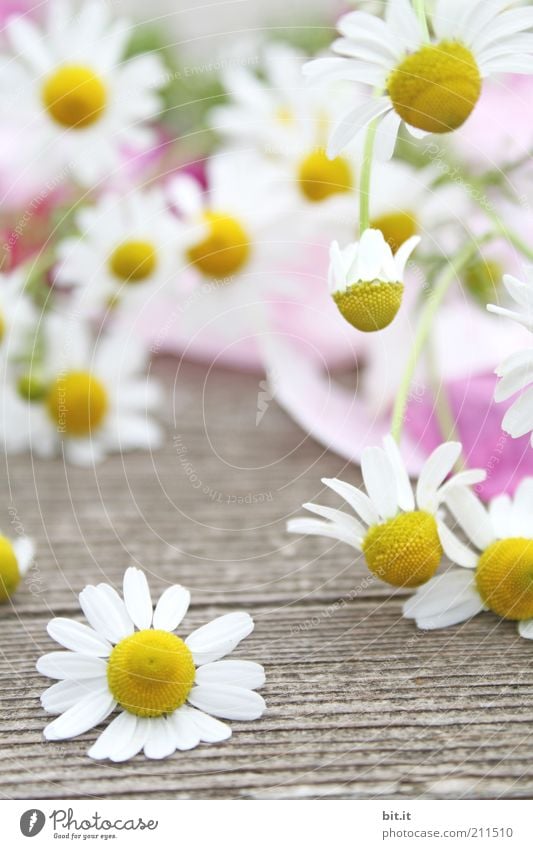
(366, 177)
(442, 407)
(427, 317)
(420, 9)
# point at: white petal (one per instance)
(445, 600)
(471, 515)
(219, 637)
(136, 742)
(358, 500)
(314, 527)
(106, 612)
(186, 734)
(455, 549)
(406, 499)
(24, 549)
(115, 738)
(85, 714)
(355, 121)
(515, 379)
(518, 419)
(380, 481)
(71, 665)
(137, 598)
(349, 524)
(525, 629)
(209, 729)
(228, 702)
(171, 608)
(387, 136)
(64, 694)
(238, 673)
(436, 468)
(78, 637)
(502, 516)
(161, 741)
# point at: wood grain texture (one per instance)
(361, 705)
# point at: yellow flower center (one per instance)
(9, 570)
(74, 96)
(504, 578)
(405, 551)
(151, 673)
(31, 387)
(396, 227)
(320, 177)
(225, 249)
(77, 402)
(370, 306)
(133, 261)
(483, 279)
(436, 88)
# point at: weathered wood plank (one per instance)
(361, 705)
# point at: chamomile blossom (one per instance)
(170, 693)
(430, 84)
(366, 279)
(70, 89)
(498, 561)
(516, 372)
(243, 212)
(400, 532)
(15, 559)
(78, 397)
(128, 248)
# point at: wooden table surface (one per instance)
(360, 704)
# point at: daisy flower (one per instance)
(129, 248)
(282, 117)
(70, 88)
(400, 532)
(15, 560)
(498, 564)
(430, 84)
(243, 212)
(516, 372)
(83, 399)
(366, 279)
(168, 691)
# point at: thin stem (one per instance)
(366, 177)
(442, 407)
(420, 9)
(427, 316)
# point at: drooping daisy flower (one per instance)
(69, 88)
(516, 372)
(18, 314)
(82, 399)
(400, 533)
(366, 279)
(498, 573)
(15, 560)
(129, 247)
(430, 84)
(245, 211)
(168, 690)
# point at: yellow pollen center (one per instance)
(405, 551)
(74, 96)
(370, 306)
(436, 88)
(151, 673)
(133, 261)
(504, 578)
(396, 227)
(9, 570)
(320, 177)
(77, 402)
(225, 249)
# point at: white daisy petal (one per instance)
(161, 740)
(106, 612)
(313, 527)
(116, 737)
(78, 637)
(137, 597)
(238, 673)
(355, 121)
(436, 468)
(209, 729)
(518, 419)
(455, 549)
(445, 600)
(471, 515)
(358, 500)
(380, 480)
(186, 734)
(171, 608)
(227, 702)
(502, 516)
(387, 136)
(525, 629)
(348, 524)
(406, 499)
(71, 665)
(64, 694)
(85, 714)
(24, 549)
(219, 637)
